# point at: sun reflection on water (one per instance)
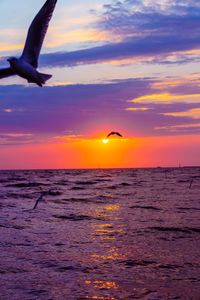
(112, 254)
(102, 284)
(105, 234)
(112, 207)
(107, 211)
(100, 297)
(108, 231)
(106, 237)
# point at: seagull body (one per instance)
(114, 133)
(26, 65)
(27, 71)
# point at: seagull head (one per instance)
(12, 59)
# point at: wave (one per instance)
(145, 207)
(74, 217)
(176, 229)
(25, 185)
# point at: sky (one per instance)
(130, 66)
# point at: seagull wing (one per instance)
(6, 72)
(38, 200)
(114, 133)
(117, 133)
(37, 32)
(111, 133)
(36, 203)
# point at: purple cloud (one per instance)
(78, 109)
(156, 17)
(153, 30)
(132, 47)
(145, 30)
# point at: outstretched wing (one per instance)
(117, 133)
(37, 32)
(114, 133)
(6, 72)
(39, 199)
(111, 133)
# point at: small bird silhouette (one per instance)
(114, 133)
(26, 65)
(192, 179)
(41, 197)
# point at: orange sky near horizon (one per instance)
(93, 153)
(140, 78)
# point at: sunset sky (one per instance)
(131, 66)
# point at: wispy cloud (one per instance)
(16, 138)
(8, 41)
(192, 128)
(140, 48)
(68, 138)
(191, 113)
(59, 37)
(192, 80)
(138, 108)
(165, 32)
(11, 110)
(84, 108)
(131, 31)
(167, 98)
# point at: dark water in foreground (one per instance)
(100, 234)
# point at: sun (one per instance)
(105, 141)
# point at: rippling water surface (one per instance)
(100, 234)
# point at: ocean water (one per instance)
(100, 234)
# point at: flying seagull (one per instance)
(114, 133)
(26, 65)
(41, 197)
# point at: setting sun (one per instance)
(105, 141)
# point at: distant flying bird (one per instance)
(41, 197)
(114, 133)
(26, 65)
(192, 179)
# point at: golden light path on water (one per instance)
(104, 233)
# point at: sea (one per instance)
(103, 234)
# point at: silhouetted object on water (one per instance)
(41, 197)
(114, 133)
(26, 65)
(192, 179)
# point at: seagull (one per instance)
(40, 198)
(192, 179)
(114, 133)
(26, 65)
